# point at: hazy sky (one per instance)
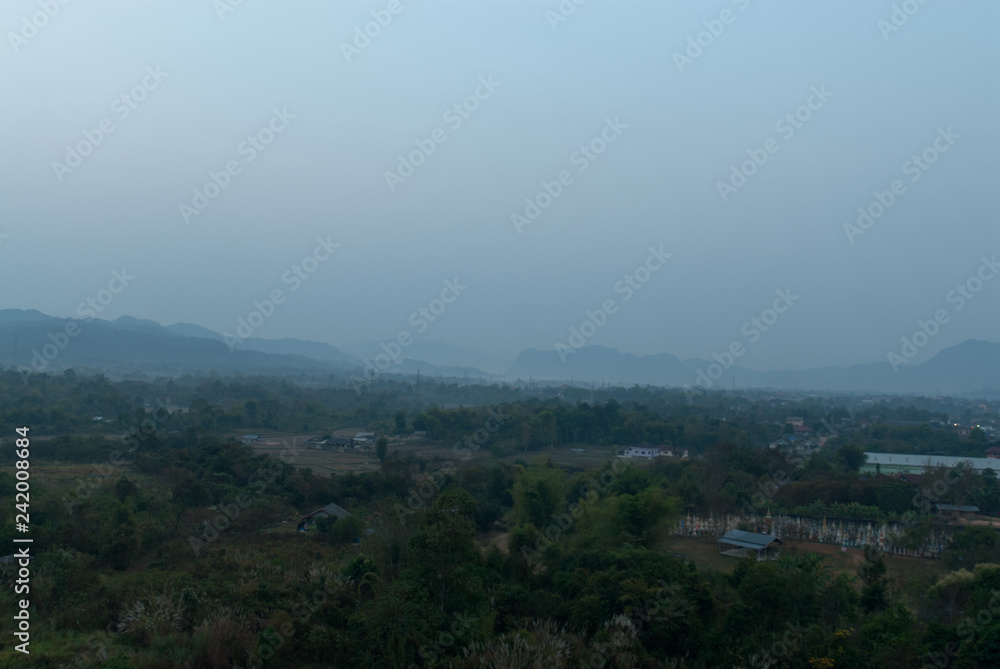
(209, 79)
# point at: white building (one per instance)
(642, 452)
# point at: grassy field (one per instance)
(563, 456)
(704, 552)
(68, 474)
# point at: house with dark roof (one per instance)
(327, 511)
(364, 440)
(993, 452)
(737, 543)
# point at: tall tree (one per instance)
(381, 448)
(872, 572)
(539, 492)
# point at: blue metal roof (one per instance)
(748, 539)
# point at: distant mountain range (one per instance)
(31, 340)
(967, 367)
(34, 341)
(437, 353)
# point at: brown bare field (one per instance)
(57, 474)
(295, 450)
(321, 462)
(330, 461)
(60, 474)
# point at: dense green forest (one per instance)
(539, 417)
(162, 541)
